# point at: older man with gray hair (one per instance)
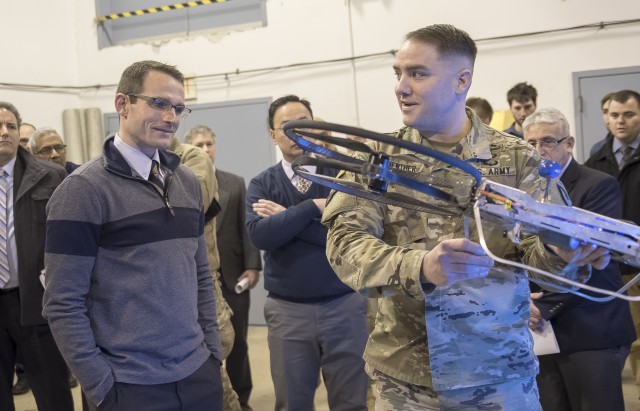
(48, 145)
(591, 335)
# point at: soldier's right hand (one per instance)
(455, 260)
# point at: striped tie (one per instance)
(627, 153)
(155, 179)
(5, 276)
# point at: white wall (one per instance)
(56, 45)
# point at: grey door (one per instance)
(588, 88)
(243, 148)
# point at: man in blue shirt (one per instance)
(522, 103)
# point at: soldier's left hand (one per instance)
(585, 254)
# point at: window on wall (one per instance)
(152, 23)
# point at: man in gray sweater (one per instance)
(129, 296)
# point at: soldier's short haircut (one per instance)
(447, 40)
(10, 107)
(547, 115)
(522, 92)
(480, 106)
(199, 129)
(290, 98)
(132, 79)
(623, 96)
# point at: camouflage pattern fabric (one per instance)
(199, 162)
(378, 250)
(395, 395)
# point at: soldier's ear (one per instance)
(464, 80)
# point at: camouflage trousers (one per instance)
(230, 398)
(395, 395)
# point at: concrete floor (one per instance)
(262, 396)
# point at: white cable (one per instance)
(612, 294)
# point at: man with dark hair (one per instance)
(26, 184)
(591, 335)
(620, 157)
(315, 322)
(451, 331)
(522, 102)
(482, 108)
(129, 296)
(26, 131)
(604, 106)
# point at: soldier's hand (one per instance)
(585, 254)
(455, 260)
(267, 208)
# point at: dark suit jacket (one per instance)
(237, 253)
(33, 183)
(581, 324)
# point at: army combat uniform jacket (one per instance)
(477, 329)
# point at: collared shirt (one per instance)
(293, 177)
(617, 148)
(564, 168)
(512, 130)
(12, 252)
(138, 161)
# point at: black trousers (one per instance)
(44, 366)
(201, 391)
(237, 363)
(582, 380)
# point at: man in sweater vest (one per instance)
(315, 322)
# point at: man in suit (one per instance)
(26, 184)
(594, 337)
(48, 145)
(239, 259)
(620, 157)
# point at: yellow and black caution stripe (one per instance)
(152, 10)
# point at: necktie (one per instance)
(5, 276)
(302, 184)
(627, 153)
(155, 179)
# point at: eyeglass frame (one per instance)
(47, 151)
(549, 143)
(165, 105)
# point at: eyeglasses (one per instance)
(547, 142)
(163, 105)
(47, 151)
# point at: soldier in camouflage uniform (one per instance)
(451, 328)
(199, 162)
